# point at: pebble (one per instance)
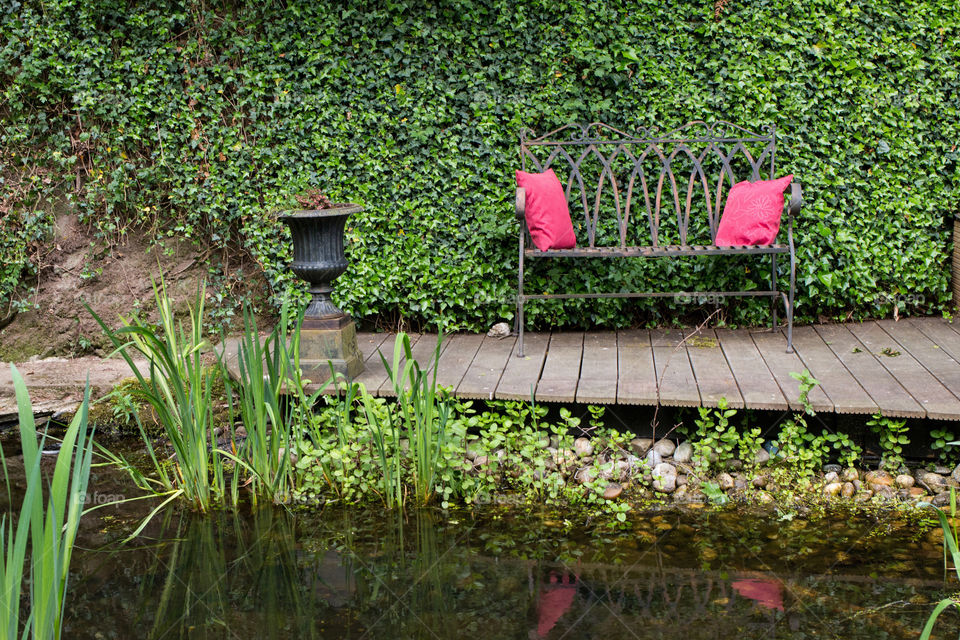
(641, 445)
(585, 475)
(942, 470)
(762, 457)
(882, 490)
(917, 492)
(933, 480)
(864, 495)
(848, 490)
(850, 474)
(904, 481)
(583, 447)
(665, 447)
(683, 453)
(664, 477)
(682, 480)
(833, 489)
(831, 477)
(764, 497)
(882, 478)
(759, 481)
(653, 459)
(942, 499)
(499, 330)
(735, 464)
(613, 491)
(726, 482)
(832, 468)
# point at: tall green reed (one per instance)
(179, 390)
(51, 531)
(951, 559)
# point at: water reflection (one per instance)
(274, 575)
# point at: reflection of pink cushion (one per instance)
(547, 213)
(766, 593)
(752, 213)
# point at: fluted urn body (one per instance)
(328, 335)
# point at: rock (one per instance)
(904, 481)
(481, 461)
(664, 477)
(764, 497)
(850, 474)
(683, 452)
(933, 481)
(942, 470)
(735, 464)
(739, 483)
(499, 330)
(585, 475)
(241, 432)
(622, 470)
(882, 478)
(682, 480)
(726, 482)
(472, 451)
(831, 477)
(832, 468)
(942, 499)
(683, 467)
(848, 490)
(864, 496)
(882, 490)
(641, 445)
(833, 489)
(665, 447)
(653, 459)
(762, 457)
(916, 492)
(681, 492)
(612, 491)
(760, 481)
(583, 447)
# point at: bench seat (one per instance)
(671, 250)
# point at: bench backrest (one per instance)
(647, 188)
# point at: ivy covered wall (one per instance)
(197, 119)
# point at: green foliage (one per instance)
(807, 384)
(717, 442)
(893, 436)
(944, 443)
(197, 119)
(50, 531)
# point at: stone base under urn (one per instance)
(326, 341)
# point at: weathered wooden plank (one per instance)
(756, 382)
(519, 379)
(483, 375)
(924, 388)
(374, 375)
(935, 359)
(457, 355)
(772, 348)
(561, 370)
(888, 394)
(843, 389)
(422, 351)
(675, 379)
(714, 378)
(637, 376)
(940, 332)
(598, 369)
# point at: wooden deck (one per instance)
(909, 368)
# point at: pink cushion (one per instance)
(752, 213)
(548, 216)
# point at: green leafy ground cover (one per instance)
(195, 120)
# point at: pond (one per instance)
(496, 573)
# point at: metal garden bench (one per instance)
(680, 180)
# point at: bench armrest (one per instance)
(521, 203)
(796, 200)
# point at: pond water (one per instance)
(341, 573)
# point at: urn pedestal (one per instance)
(328, 335)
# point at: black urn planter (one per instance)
(328, 335)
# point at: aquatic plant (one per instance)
(50, 531)
(951, 559)
(179, 390)
(268, 369)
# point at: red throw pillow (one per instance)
(752, 213)
(547, 212)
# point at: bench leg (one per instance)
(790, 298)
(519, 319)
(773, 287)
